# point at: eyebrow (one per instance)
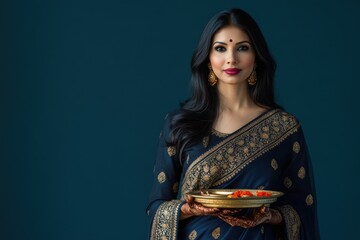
(235, 44)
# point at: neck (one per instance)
(233, 97)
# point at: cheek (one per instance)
(249, 60)
(216, 62)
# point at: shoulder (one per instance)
(284, 116)
(282, 122)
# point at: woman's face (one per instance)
(232, 56)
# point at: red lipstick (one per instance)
(232, 71)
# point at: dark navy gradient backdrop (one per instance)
(85, 85)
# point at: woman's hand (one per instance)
(192, 208)
(260, 215)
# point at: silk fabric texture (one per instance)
(269, 152)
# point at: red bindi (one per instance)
(230, 40)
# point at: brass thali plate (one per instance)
(218, 198)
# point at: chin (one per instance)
(236, 82)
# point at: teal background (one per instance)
(85, 86)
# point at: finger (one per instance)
(226, 220)
(205, 210)
(189, 199)
(204, 193)
(211, 211)
(230, 211)
(260, 212)
(264, 209)
(250, 223)
(234, 221)
(261, 216)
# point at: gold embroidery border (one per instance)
(219, 134)
(245, 129)
(254, 156)
(292, 222)
(166, 213)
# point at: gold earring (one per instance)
(212, 78)
(252, 78)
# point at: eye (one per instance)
(220, 48)
(243, 48)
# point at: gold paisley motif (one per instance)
(161, 177)
(246, 150)
(166, 213)
(219, 157)
(287, 182)
(230, 150)
(216, 233)
(252, 144)
(309, 200)
(206, 177)
(240, 143)
(296, 147)
(275, 123)
(301, 173)
(265, 128)
(171, 151)
(265, 136)
(205, 141)
(284, 118)
(231, 158)
(214, 170)
(193, 235)
(176, 187)
(274, 164)
(276, 129)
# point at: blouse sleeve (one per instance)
(163, 208)
(298, 206)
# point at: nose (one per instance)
(232, 58)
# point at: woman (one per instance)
(230, 134)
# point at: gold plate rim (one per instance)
(218, 198)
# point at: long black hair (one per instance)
(195, 118)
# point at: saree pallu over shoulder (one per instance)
(269, 152)
(223, 161)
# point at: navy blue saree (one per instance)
(268, 153)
